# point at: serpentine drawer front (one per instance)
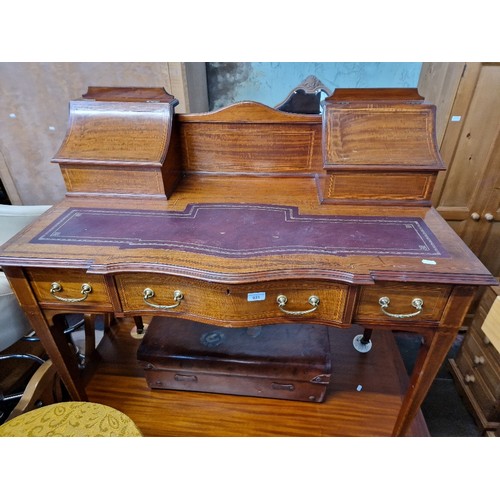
(313, 300)
(54, 287)
(397, 302)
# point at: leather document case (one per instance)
(286, 361)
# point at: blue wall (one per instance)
(271, 82)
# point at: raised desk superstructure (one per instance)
(217, 217)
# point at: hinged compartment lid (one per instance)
(116, 133)
(379, 129)
(119, 142)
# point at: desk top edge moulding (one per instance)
(249, 216)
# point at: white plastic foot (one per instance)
(135, 335)
(361, 346)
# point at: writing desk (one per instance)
(249, 216)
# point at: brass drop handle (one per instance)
(475, 216)
(489, 217)
(417, 303)
(479, 360)
(149, 294)
(469, 379)
(282, 300)
(57, 288)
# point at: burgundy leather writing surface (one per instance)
(243, 230)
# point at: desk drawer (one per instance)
(76, 288)
(400, 302)
(237, 304)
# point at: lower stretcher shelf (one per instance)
(348, 410)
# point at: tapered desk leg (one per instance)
(432, 355)
(139, 330)
(430, 358)
(139, 324)
(52, 336)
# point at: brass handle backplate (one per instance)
(57, 288)
(149, 294)
(417, 303)
(282, 300)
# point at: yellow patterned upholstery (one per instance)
(71, 419)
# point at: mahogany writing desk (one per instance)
(249, 216)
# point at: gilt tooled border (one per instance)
(428, 248)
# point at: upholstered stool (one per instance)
(71, 419)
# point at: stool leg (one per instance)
(89, 335)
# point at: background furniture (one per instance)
(476, 368)
(71, 419)
(467, 194)
(13, 322)
(33, 101)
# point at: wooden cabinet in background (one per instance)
(476, 368)
(467, 194)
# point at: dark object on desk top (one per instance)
(130, 94)
(305, 98)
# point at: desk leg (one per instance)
(430, 358)
(432, 355)
(52, 336)
(139, 324)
